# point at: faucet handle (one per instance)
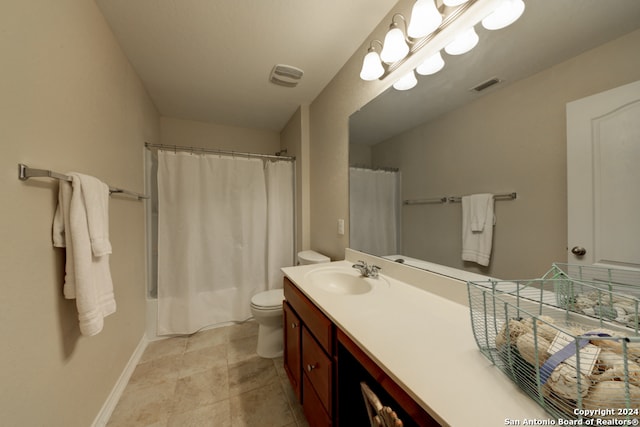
(362, 267)
(373, 270)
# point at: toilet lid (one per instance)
(271, 298)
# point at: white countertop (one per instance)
(425, 343)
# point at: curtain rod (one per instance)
(376, 168)
(175, 148)
(25, 172)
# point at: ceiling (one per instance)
(210, 60)
(549, 32)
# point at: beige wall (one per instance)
(513, 139)
(70, 101)
(192, 133)
(360, 155)
(295, 139)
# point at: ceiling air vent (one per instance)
(286, 75)
(486, 85)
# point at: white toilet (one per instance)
(266, 308)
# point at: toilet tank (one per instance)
(311, 257)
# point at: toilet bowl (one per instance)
(266, 309)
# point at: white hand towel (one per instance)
(96, 201)
(88, 277)
(478, 205)
(62, 236)
(477, 228)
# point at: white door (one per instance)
(603, 178)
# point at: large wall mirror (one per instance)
(444, 139)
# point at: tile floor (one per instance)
(211, 378)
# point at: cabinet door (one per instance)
(292, 348)
(318, 368)
(313, 408)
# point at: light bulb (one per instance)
(463, 43)
(425, 19)
(454, 2)
(395, 47)
(505, 14)
(406, 82)
(371, 66)
(431, 65)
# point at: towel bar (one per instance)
(25, 172)
(455, 199)
(425, 201)
(506, 196)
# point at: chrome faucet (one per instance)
(367, 270)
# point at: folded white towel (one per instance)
(477, 228)
(478, 206)
(62, 236)
(88, 277)
(95, 194)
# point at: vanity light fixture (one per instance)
(431, 23)
(372, 68)
(406, 82)
(428, 19)
(505, 14)
(395, 46)
(463, 43)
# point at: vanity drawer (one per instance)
(319, 324)
(318, 369)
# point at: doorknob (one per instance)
(578, 250)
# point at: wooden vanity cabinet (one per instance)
(325, 368)
(308, 358)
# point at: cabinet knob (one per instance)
(311, 367)
(294, 325)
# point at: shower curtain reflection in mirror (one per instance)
(225, 227)
(374, 210)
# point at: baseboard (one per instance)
(103, 416)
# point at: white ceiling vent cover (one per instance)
(286, 75)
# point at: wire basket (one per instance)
(576, 367)
(602, 292)
(612, 279)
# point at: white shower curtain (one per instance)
(213, 246)
(280, 234)
(374, 205)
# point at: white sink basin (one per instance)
(342, 281)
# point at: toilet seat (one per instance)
(268, 300)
